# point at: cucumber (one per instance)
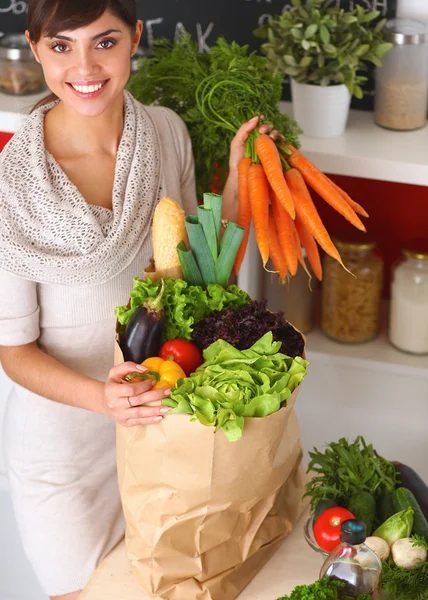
(403, 498)
(363, 507)
(386, 507)
(323, 505)
(408, 478)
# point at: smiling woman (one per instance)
(50, 21)
(80, 183)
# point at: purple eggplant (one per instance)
(142, 337)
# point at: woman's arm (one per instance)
(38, 372)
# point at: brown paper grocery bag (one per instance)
(203, 514)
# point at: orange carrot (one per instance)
(354, 205)
(269, 157)
(244, 210)
(308, 213)
(285, 232)
(298, 250)
(258, 189)
(275, 251)
(316, 179)
(310, 246)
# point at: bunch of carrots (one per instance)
(274, 195)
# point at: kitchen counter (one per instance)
(295, 563)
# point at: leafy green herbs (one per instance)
(345, 469)
(403, 584)
(232, 384)
(183, 304)
(324, 44)
(324, 589)
(214, 94)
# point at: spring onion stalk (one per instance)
(191, 271)
(209, 260)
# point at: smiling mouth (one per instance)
(88, 89)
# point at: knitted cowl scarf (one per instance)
(49, 233)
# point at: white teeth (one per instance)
(87, 89)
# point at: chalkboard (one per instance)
(206, 21)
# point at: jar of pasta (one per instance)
(350, 310)
(408, 321)
(20, 73)
(402, 81)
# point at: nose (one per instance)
(86, 62)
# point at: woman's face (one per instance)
(88, 68)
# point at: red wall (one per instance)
(398, 212)
(4, 138)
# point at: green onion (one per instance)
(208, 260)
(206, 219)
(191, 271)
(230, 243)
(201, 251)
(215, 203)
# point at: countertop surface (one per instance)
(295, 563)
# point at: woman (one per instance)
(79, 183)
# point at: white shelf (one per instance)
(376, 355)
(14, 108)
(371, 152)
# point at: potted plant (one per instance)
(324, 49)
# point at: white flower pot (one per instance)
(321, 111)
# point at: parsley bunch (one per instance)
(324, 589)
(346, 469)
(404, 584)
(214, 94)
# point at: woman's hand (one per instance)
(237, 151)
(126, 403)
(237, 147)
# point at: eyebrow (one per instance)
(95, 37)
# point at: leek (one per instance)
(191, 271)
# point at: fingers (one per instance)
(118, 373)
(144, 416)
(146, 397)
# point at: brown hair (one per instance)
(48, 17)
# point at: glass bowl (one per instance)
(309, 536)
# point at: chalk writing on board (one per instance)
(15, 7)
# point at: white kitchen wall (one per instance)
(413, 8)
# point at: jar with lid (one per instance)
(20, 73)
(350, 308)
(295, 298)
(408, 320)
(401, 99)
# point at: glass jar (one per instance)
(294, 298)
(20, 73)
(354, 564)
(401, 99)
(350, 310)
(408, 320)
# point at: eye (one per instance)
(59, 48)
(106, 44)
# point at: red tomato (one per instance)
(327, 527)
(183, 352)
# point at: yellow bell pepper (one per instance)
(168, 371)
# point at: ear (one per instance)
(136, 36)
(32, 46)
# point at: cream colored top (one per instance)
(75, 325)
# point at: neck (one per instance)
(88, 135)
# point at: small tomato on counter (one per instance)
(327, 527)
(166, 372)
(184, 353)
